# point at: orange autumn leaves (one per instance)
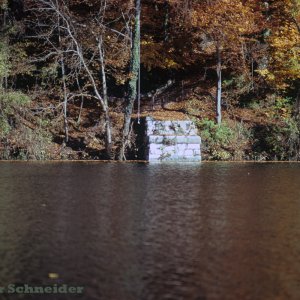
(237, 27)
(284, 44)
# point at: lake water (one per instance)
(161, 232)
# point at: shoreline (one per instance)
(147, 162)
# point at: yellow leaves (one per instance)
(169, 63)
(284, 55)
(194, 18)
(271, 77)
(285, 37)
(224, 21)
(121, 77)
(284, 45)
(145, 42)
(154, 54)
(121, 82)
(263, 72)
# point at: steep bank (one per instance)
(253, 129)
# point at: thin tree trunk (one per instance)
(82, 100)
(134, 70)
(80, 111)
(63, 73)
(108, 140)
(66, 127)
(166, 21)
(219, 87)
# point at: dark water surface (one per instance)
(141, 232)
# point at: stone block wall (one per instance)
(173, 141)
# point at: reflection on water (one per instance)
(141, 232)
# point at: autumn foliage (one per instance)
(74, 56)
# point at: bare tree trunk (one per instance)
(108, 141)
(82, 100)
(166, 21)
(219, 88)
(134, 70)
(63, 73)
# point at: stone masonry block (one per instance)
(172, 141)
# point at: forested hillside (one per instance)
(75, 74)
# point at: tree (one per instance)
(132, 84)
(78, 47)
(283, 40)
(222, 28)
